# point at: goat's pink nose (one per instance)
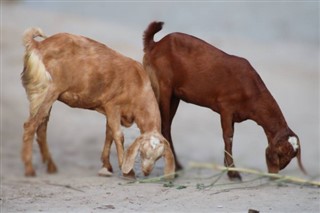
(146, 172)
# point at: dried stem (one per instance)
(283, 178)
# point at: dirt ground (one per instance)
(288, 66)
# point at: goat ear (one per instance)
(299, 159)
(130, 156)
(169, 168)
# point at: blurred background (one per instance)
(280, 39)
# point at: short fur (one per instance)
(183, 67)
(86, 74)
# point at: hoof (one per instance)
(52, 168)
(130, 175)
(171, 176)
(234, 176)
(30, 173)
(178, 167)
(104, 172)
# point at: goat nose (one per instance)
(146, 172)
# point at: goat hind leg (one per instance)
(30, 128)
(168, 106)
(42, 141)
(26, 153)
(173, 109)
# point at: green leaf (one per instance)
(181, 187)
(169, 184)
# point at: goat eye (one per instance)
(143, 155)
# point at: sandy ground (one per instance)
(289, 67)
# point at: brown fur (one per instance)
(189, 69)
(85, 74)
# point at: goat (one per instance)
(84, 73)
(183, 67)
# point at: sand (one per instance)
(289, 65)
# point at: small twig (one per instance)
(225, 151)
(217, 179)
(65, 186)
(242, 182)
(255, 172)
(159, 179)
(235, 188)
(14, 198)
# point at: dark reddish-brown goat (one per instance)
(183, 67)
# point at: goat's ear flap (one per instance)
(130, 156)
(299, 159)
(169, 167)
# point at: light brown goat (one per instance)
(183, 67)
(86, 74)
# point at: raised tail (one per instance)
(28, 37)
(148, 35)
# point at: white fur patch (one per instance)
(104, 172)
(294, 142)
(154, 142)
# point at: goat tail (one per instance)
(148, 35)
(35, 78)
(29, 35)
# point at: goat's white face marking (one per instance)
(294, 142)
(154, 142)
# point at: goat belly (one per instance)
(76, 101)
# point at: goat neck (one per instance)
(269, 116)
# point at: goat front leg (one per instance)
(119, 140)
(228, 129)
(114, 125)
(42, 141)
(106, 169)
